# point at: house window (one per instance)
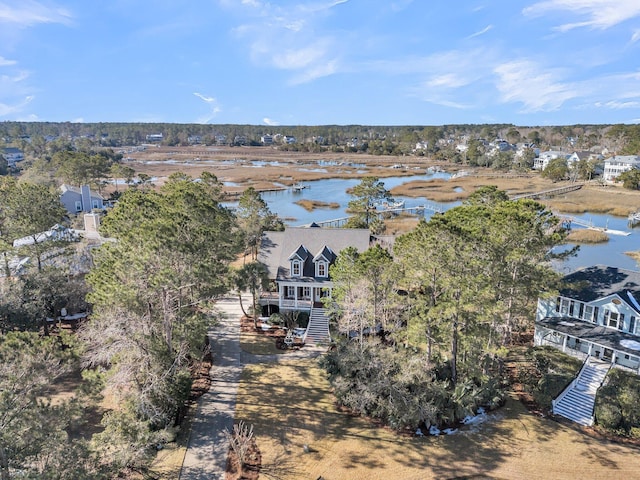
(322, 269)
(564, 307)
(295, 268)
(306, 292)
(289, 292)
(78, 206)
(571, 307)
(588, 313)
(611, 319)
(632, 324)
(95, 204)
(581, 310)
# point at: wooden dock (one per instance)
(569, 221)
(550, 193)
(418, 210)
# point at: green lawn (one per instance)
(291, 405)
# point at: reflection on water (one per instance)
(332, 191)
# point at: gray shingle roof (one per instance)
(595, 282)
(277, 247)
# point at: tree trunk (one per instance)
(244, 312)
(4, 465)
(454, 350)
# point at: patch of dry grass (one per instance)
(290, 405)
(311, 205)
(257, 344)
(400, 224)
(587, 235)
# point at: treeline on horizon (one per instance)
(621, 138)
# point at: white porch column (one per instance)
(613, 358)
(295, 301)
(590, 347)
(280, 295)
(564, 343)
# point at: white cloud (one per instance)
(290, 38)
(448, 80)
(525, 82)
(598, 14)
(5, 63)
(214, 108)
(481, 32)
(636, 36)
(270, 122)
(31, 12)
(7, 109)
(618, 105)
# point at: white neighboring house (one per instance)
(82, 199)
(596, 314)
(544, 158)
(12, 155)
(267, 139)
(614, 166)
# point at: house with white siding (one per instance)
(614, 166)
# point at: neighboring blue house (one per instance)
(12, 155)
(595, 315)
(77, 200)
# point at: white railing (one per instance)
(570, 387)
(295, 303)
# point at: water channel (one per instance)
(611, 253)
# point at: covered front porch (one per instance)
(583, 339)
(297, 296)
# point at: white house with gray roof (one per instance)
(614, 166)
(594, 318)
(596, 314)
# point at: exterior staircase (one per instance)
(318, 328)
(576, 402)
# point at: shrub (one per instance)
(276, 319)
(303, 319)
(549, 373)
(394, 386)
(617, 403)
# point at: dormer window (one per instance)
(296, 268)
(321, 269)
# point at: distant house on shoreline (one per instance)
(614, 166)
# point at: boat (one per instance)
(298, 187)
(392, 205)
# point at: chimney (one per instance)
(85, 191)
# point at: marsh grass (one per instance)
(635, 255)
(400, 224)
(311, 205)
(587, 235)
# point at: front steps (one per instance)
(318, 328)
(577, 402)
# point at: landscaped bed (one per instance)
(291, 405)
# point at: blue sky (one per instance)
(373, 62)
